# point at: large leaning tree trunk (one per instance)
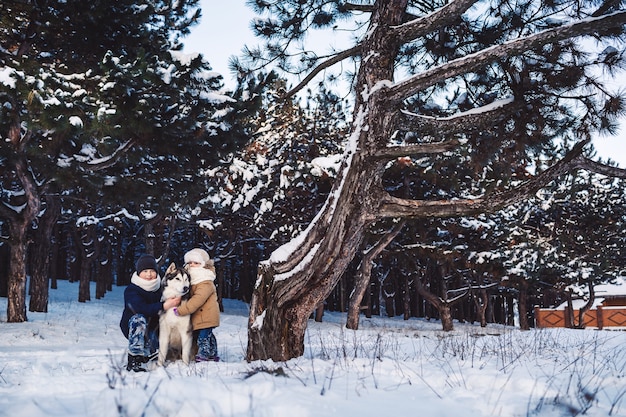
(302, 273)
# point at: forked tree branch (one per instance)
(480, 119)
(110, 160)
(397, 207)
(354, 51)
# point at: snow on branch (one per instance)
(85, 221)
(481, 119)
(417, 149)
(106, 162)
(290, 254)
(446, 15)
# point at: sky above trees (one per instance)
(224, 29)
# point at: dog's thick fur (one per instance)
(175, 331)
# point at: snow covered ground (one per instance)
(71, 362)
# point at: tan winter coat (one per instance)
(202, 305)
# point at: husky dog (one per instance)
(175, 331)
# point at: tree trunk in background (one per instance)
(569, 310)
(510, 311)
(443, 307)
(319, 312)
(54, 257)
(4, 268)
(406, 298)
(84, 290)
(19, 223)
(39, 258)
(362, 281)
(16, 294)
(74, 254)
(523, 305)
(148, 236)
(156, 242)
(364, 275)
(368, 300)
(583, 310)
(102, 279)
(85, 237)
(481, 300)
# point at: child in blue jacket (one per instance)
(140, 319)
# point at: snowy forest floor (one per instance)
(71, 362)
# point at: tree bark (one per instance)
(523, 305)
(40, 256)
(18, 228)
(16, 303)
(4, 268)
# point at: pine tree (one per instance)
(99, 102)
(275, 183)
(501, 90)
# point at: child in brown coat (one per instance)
(202, 304)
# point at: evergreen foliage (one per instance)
(101, 108)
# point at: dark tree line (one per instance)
(99, 122)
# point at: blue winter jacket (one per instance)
(139, 301)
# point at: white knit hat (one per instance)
(197, 255)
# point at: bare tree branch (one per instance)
(599, 168)
(400, 91)
(440, 18)
(355, 50)
(416, 149)
(355, 7)
(479, 119)
(397, 207)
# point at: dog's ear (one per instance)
(171, 268)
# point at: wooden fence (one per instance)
(602, 317)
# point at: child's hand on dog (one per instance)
(171, 302)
